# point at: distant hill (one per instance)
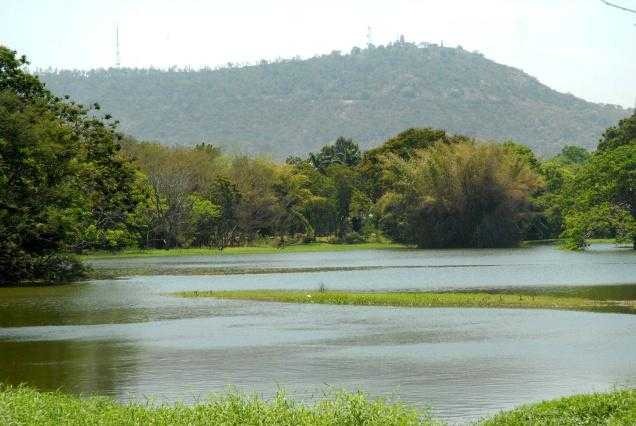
(296, 106)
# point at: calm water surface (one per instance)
(130, 340)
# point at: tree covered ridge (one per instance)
(295, 106)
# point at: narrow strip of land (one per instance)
(259, 249)
(425, 299)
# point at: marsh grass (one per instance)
(613, 408)
(25, 406)
(461, 299)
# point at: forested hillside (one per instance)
(296, 106)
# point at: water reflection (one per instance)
(80, 367)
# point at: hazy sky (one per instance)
(577, 46)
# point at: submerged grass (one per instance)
(25, 406)
(459, 299)
(259, 249)
(613, 408)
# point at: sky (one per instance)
(581, 47)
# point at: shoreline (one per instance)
(315, 247)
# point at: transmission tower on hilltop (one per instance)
(117, 57)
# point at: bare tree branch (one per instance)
(619, 6)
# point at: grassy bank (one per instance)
(258, 249)
(614, 408)
(425, 299)
(269, 249)
(24, 406)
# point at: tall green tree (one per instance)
(457, 195)
(602, 194)
(60, 172)
(403, 145)
(344, 152)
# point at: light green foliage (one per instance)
(173, 178)
(457, 195)
(25, 406)
(422, 299)
(600, 199)
(21, 405)
(555, 197)
(204, 219)
(616, 408)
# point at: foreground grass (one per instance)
(614, 408)
(24, 406)
(261, 249)
(424, 299)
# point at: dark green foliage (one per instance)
(344, 152)
(403, 145)
(598, 198)
(623, 134)
(227, 197)
(294, 106)
(573, 155)
(59, 175)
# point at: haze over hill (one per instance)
(296, 106)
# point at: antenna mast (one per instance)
(369, 39)
(117, 57)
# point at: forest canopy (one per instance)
(70, 183)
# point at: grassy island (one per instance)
(460, 299)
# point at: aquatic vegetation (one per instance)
(463, 299)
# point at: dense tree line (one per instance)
(294, 106)
(69, 183)
(59, 174)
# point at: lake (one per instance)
(130, 339)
